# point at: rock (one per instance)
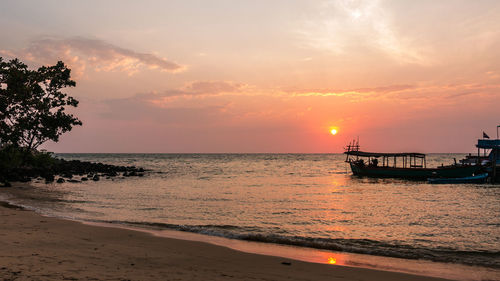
(25, 179)
(7, 184)
(60, 180)
(49, 177)
(67, 170)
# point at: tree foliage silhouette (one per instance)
(32, 106)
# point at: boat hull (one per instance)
(414, 173)
(481, 178)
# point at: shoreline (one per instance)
(47, 248)
(424, 268)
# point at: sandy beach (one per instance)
(34, 247)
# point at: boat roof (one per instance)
(488, 144)
(378, 154)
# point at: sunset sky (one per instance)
(267, 76)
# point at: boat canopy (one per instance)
(409, 159)
(377, 154)
(488, 144)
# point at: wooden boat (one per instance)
(491, 163)
(481, 178)
(401, 165)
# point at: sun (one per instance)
(333, 131)
(356, 14)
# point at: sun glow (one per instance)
(356, 14)
(333, 131)
(332, 260)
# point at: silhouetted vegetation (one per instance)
(32, 106)
(33, 111)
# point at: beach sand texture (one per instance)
(33, 247)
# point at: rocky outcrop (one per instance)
(65, 170)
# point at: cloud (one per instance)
(343, 26)
(387, 89)
(143, 107)
(185, 119)
(213, 87)
(204, 89)
(327, 94)
(355, 94)
(198, 96)
(81, 53)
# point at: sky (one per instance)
(234, 76)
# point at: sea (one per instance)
(298, 206)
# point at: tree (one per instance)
(32, 106)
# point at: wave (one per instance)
(483, 258)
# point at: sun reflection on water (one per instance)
(332, 258)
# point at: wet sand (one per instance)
(33, 247)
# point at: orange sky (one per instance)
(268, 76)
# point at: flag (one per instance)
(485, 136)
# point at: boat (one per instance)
(481, 178)
(473, 159)
(491, 162)
(408, 165)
